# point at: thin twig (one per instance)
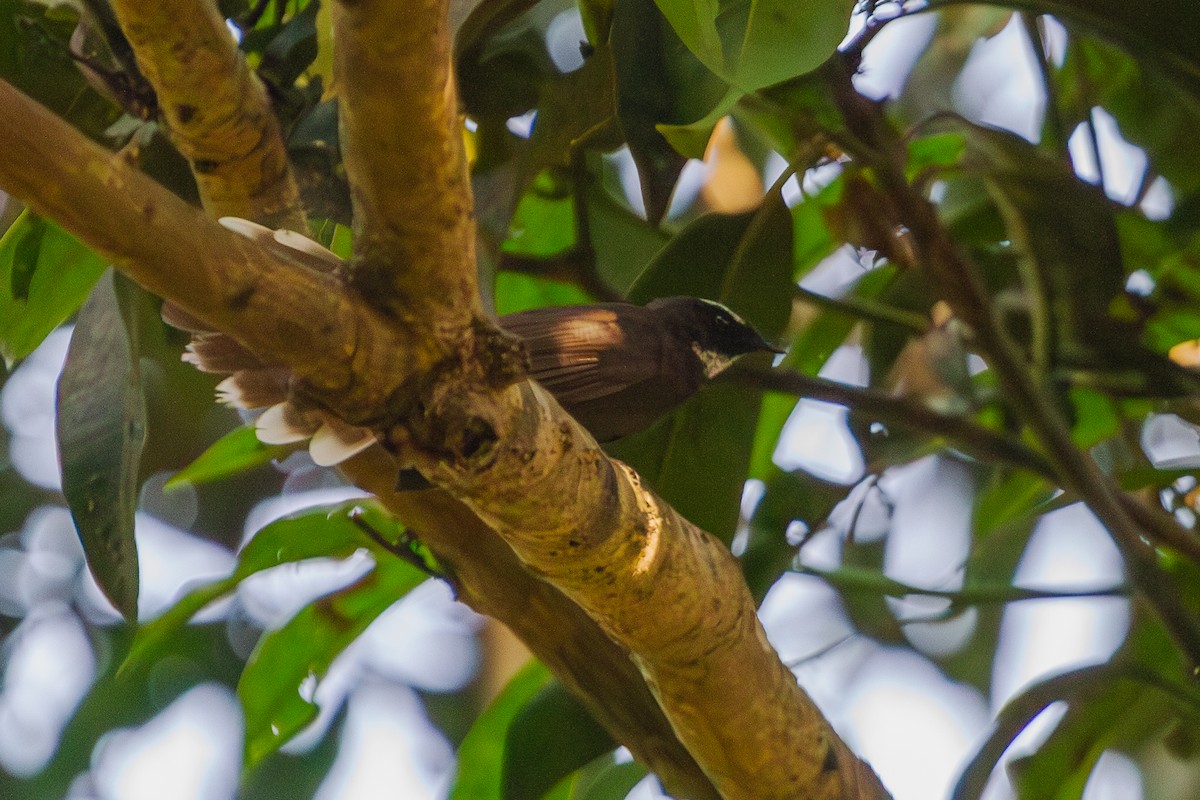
(856, 306)
(400, 550)
(1035, 31)
(575, 265)
(865, 581)
(874, 144)
(976, 440)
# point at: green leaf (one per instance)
(1063, 763)
(34, 58)
(481, 756)
(1164, 37)
(27, 245)
(1011, 496)
(597, 19)
(543, 224)
(699, 456)
(1149, 106)
(829, 328)
(1096, 417)
(235, 452)
(551, 737)
(624, 242)
(516, 291)
(942, 150)
(614, 782)
(273, 684)
(691, 139)
(645, 97)
(773, 414)
(1002, 525)
(1056, 223)
(752, 44)
(1122, 704)
(45, 275)
(812, 241)
(293, 49)
(101, 428)
(314, 533)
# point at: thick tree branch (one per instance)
(402, 144)
(530, 471)
(592, 529)
(214, 109)
(492, 581)
(172, 249)
(522, 465)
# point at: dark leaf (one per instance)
(552, 736)
(1148, 104)
(27, 236)
(101, 427)
(644, 99)
(293, 49)
(35, 57)
(788, 497)
(481, 756)
(996, 552)
(869, 613)
(1122, 703)
(1164, 36)
(574, 109)
(624, 242)
(1066, 233)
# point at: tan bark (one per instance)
(414, 248)
(174, 250)
(490, 579)
(669, 592)
(214, 109)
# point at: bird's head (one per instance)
(718, 335)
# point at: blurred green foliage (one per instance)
(1052, 253)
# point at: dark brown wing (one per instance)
(580, 353)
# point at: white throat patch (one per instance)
(714, 363)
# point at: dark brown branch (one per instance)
(571, 266)
(974, 439)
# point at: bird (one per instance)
(615, 367)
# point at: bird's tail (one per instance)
(255, 385)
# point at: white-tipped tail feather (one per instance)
(280, 424)
(253, 384)
(335, 441)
